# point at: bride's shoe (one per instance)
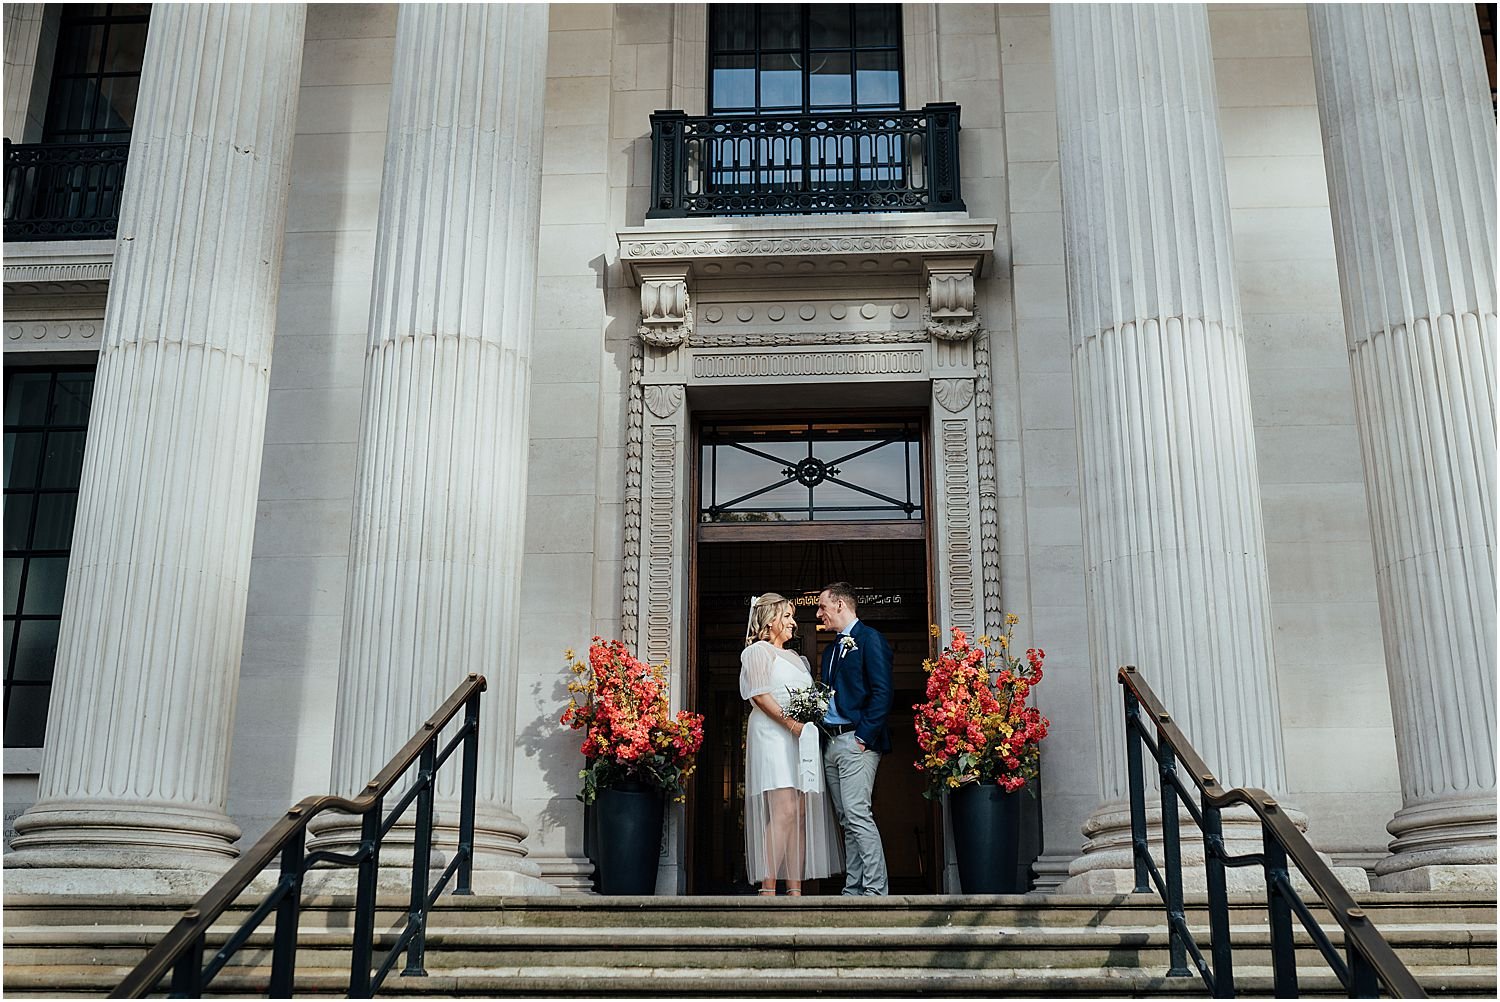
(795, 892)
(767, 892)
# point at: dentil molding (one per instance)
(58, 267)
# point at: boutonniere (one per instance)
(847, 644)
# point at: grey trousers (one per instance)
(851, 785)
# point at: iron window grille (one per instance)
(46, 421)
(811, 472)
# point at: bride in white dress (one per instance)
(790, 833)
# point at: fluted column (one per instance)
(1409, 142)
(1173, 547)
(23, 32)
(440, 493)
(135, 771)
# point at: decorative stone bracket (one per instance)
(666, 308)
(951, 312)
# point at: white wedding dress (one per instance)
(784, 778)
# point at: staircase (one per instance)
(1028, 946)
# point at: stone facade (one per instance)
(636, 326)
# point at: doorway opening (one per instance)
(891, 578)
(790, 507)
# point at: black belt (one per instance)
(835, 729)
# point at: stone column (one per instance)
(440, 492)
(1409, 140)
(23, 34)
(1174, 555)
(136, 764)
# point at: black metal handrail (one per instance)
(756, 165)
(181, 951)
(63, 191)
(1369, 960)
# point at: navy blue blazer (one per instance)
(861, 681)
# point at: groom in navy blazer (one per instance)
(857, 666)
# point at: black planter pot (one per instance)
(987, 838)
(629, 818)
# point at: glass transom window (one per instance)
(803, 471)
(804, 58)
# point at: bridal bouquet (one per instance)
(808, 705)
(630, 733)
(976, 726)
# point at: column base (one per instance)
(1441, 845)
(1107, 865)
(1440, 877)
(106, 836)
(99, 882)
(500, 863)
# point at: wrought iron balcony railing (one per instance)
(63, 191)
(758, 165)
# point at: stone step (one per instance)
(783, 948)
(877, 982)
(1024, 945)
(748, 912)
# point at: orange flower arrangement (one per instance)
(621, 705)
(976, 726)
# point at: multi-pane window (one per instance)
(46, 418)
(796, 58)
(97, 73)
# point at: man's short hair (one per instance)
(842, 590)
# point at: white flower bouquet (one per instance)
(808, 705)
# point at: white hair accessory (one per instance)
(750, 621)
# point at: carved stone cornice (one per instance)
(795, 338)
(58, 267)
(891, 243)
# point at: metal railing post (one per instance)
(1279, 914)
(1363, 983)
(1218, 901)
(1140, 847)
(942, 157)
(421, 862)
(668, 164)
(364, 901)
(288, 914)
(469, 779)
(1171, 853)
(187, 973)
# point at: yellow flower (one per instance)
(934, 630)
(953, 781)
(1011, 619)
(1004, 642)
(984, 640)
(568, 654)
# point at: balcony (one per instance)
(798, 164)
(63, 191)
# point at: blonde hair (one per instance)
(764, 610)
